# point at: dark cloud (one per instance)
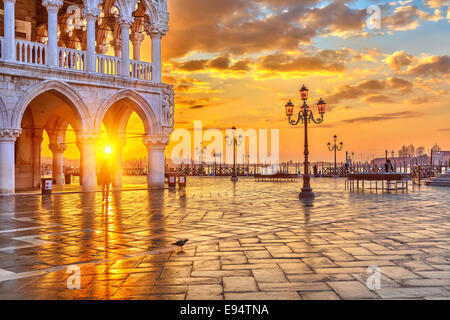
(242, 26)
(436, 66)
(378, 98)
(323, 61)
(384, 117)
(220, 63)
(400, 84)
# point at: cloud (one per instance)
(431, 66)
(400, 84)
(384, 117)
(422, 100)
(408, 18)
(378, 98)
(399, 59)
(220, 63)
(303, 63)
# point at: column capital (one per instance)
(10, 135)
(91, 12)
(137, 38)
(52, 5)
(156, 31)
(102, 49)
(125, 21)
(156, 141)
(116, 44)
(57, 147)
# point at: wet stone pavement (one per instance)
(250, 240)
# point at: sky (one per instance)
(237, 63)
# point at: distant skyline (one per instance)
(237, 62)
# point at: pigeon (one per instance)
(180, 243)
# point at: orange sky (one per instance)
(237, 62)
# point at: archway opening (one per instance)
(126, 123)
(49, 124)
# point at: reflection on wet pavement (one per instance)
(248, 240)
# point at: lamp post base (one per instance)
(234, 178)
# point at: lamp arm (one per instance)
(316, 121)
(293, 122)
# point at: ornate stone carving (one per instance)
(52, 4)
(168, 106)
(156, 29)
(9, 134)
(125, 21)
(91, 12)
(137, 38)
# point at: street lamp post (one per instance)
(305, 116)
(234, 141)
(335, 147)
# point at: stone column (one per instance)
(156, 145)
(117, 45)
(91, 15)
(137, 39)
(117, 163)
(8, 138)
(9, 50)
(156, 55)
(52, 31)
(37, 149)
(58, 162)
(125, 24)
(87, 143)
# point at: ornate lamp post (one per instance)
(305, 116)
(234, 141)
(335, 147)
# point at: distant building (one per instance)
(441, 158)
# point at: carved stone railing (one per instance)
(30, 52)
(107, 65)
(141, 70)
(72, 59)
(35, 53)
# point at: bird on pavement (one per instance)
(180, 243)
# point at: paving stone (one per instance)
(319, 295)
(239, 284)
(240, 239)
(351, 290)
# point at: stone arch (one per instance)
(76, 102)
(3, 114)
(151, 10)
(139, 105)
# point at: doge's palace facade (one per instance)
(55, 72)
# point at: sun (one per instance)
(108, 150)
